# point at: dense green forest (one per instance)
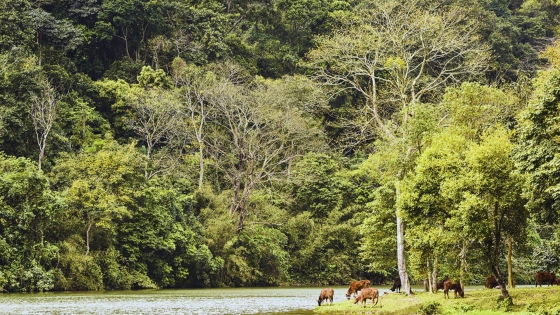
(184, 143)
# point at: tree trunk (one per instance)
(463, 264)
(511, 283)
(430, 284)
(201, 164)
(41, 155)
(500, 279)
(496, 253)
(401, 261)
(243, 204)
(83, 122)
(435, 274)
(90, 223)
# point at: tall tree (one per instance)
(394, 55)
(255, 137)
(537, 150)
(195, 89)
(27, 209)
(43, 113)
(156, 118)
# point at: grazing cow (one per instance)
(396, 285)
(326, 294)
(491, 282)
(368, 293)
(447, 285)
(356, 286)
(542, 276)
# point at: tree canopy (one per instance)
(151, 144)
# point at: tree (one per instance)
(536, 154)
(49, 31)
(255, 136)
(446, 178)
(16, 29)
(493, 197)
(43, 113)
(27, 211)
(196, 86)
(156, 118)
(97, 185)
(19, 75)
(427, 206)
(537, 148)
(394, 55)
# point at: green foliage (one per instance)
(238, 143)
(504, 303)
(27, 210)
(536, 153)
(429, 308)
(76, 271)
(18, 78)
(16, 30)
(316, 186)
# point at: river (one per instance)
(270, 300)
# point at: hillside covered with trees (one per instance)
(185, 143)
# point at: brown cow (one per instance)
(542, 276)
(491, 282)
(356, 286)
(447, 285)
(439, 285)
(326, 294)
(396, 285)
(368, 293)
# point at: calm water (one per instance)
(276, 300)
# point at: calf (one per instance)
(356, 286)
(396, 285)
(368, 293)
(491, 282)
(447, 285)
(548, 277)
(326, 294)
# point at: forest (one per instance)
(186, 143)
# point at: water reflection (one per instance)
(284, 300)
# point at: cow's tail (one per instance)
(377, 301)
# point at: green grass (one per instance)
(526, 301)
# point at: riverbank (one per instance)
(541, 301)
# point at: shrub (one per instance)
(503, 303)
(429, 308)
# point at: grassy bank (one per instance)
(540, 301)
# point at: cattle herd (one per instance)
(362, 292)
